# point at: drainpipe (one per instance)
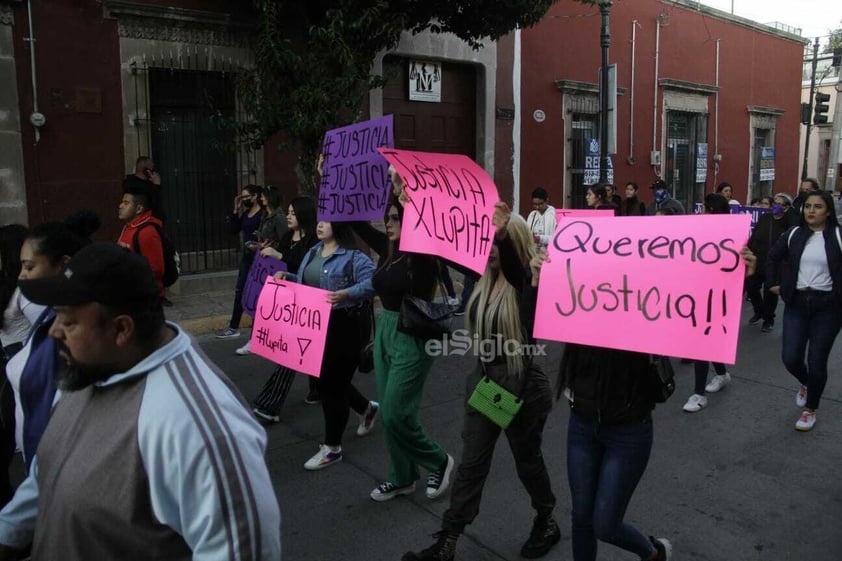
(655, 166)
(517, 123)
(630, 159)
(717, 157)
(36, 119)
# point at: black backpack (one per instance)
(171, 259)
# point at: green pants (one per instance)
(401, 366)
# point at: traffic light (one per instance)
(805, 113)
(821, 108)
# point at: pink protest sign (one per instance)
(671, 285)
(290, 325)
(451, 206)
(355, 181)
(567, 213)
(261, 267)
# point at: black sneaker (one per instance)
(313, 398)
(754, 319)
(438, 481)
(545, 534)
(443, 550)
(767, 326)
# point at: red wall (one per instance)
(756, 68)
(503, 143)
(78, 162)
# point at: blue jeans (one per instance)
(810, 318)
(604, 465)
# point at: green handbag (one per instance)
(495, 402)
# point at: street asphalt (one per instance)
(732, 482)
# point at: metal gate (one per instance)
(759, 188)
(200, 170)
(583, 126)
(685, 131)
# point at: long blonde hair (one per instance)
(506, 304)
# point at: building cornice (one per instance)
(683, 85)
(760, 110)
(164, 23)
(696, 6)
(576, 87)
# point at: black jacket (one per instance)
(785, 258)
(608, 386)
(765, 234)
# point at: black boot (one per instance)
(545, 534)
(443, 550)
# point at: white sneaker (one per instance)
(323, 458)
(801, 397)
(664, 548)
(367, 419)
(695, 403)
(807, 421)
(718, 382)
(245, 349)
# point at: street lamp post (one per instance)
(605, 42)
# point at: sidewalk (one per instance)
(203, 312)
(206, 311)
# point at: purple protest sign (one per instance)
(261, 268)
(355, 184)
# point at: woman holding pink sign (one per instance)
(401, 363)
(335, 264)
(597, 198)
(294, 245)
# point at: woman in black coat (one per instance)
(805, 268)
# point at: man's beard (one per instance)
(76, 376)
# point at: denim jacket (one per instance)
(345, 269)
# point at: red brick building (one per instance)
(691, 80)
(117, 79)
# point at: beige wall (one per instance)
(12, 186)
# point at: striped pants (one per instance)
(271, 398)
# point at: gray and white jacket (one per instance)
(161, 462)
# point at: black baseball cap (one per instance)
(101, 272)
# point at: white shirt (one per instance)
(18, 318)
(813, 272)
(542, 225)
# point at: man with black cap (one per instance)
(663, 200)
(150, 453)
